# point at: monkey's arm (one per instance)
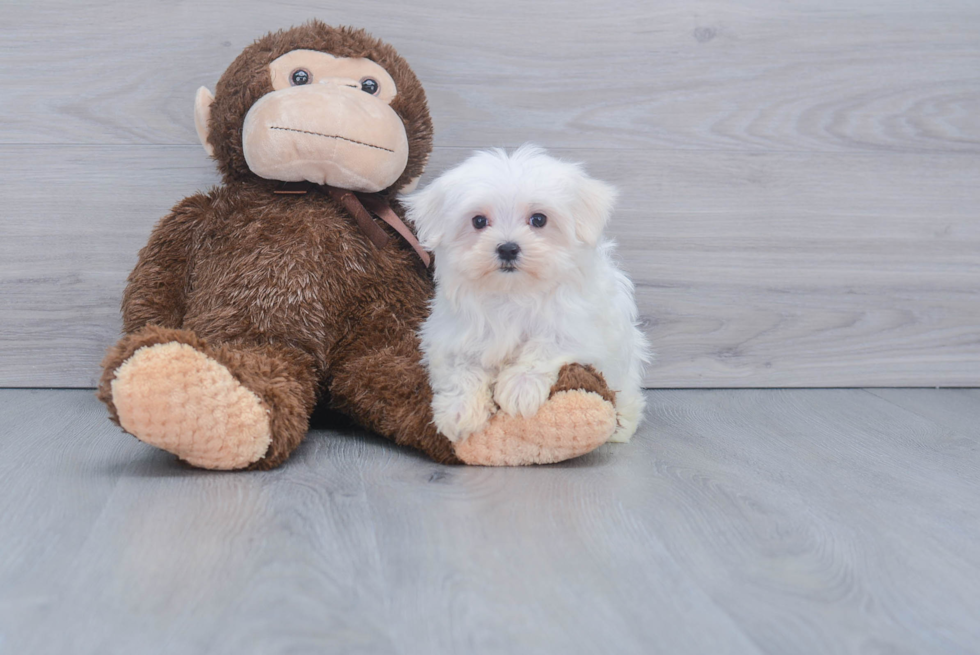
(158, 285)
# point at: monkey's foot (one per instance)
(578, 418)
(176, 398)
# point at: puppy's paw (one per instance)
(459, 416)
(521, 391)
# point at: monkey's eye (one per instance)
(299, 77)
(479, 222)
(537, 220)
(369, 86)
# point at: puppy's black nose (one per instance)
(508, 251)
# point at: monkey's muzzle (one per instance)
(325, 134)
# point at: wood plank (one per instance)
(319, 555)
(956, 409)
(55, 480)
(73, 221)
(757, 75)
(745, 521)
(800, 194)
(805, 509)
(752, 269)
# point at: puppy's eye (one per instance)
(299, 77)
(537, 220)
(369, 86)
(479, 222)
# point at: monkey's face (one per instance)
(322, 104)
(328, 120)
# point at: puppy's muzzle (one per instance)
(508, 252)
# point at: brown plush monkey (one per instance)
(248, 304)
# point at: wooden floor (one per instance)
(750, 521)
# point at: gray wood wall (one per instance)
(800, 180)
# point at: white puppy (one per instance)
(525, 283)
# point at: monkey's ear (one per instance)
(202, 113)
(593, 207)
(425, 209)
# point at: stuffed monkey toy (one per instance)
(296, 280)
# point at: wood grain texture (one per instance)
(800, 203)
(956, 409)
(749, 521)
(757, 74)
(731, 292)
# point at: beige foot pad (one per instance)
(177, 398)
(570, 424)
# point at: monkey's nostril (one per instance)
(508, 251)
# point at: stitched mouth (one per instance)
(330, 136)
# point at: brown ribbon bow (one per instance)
(356, 203)
(360, 207)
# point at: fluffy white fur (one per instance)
(497, 336)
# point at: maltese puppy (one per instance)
(525, 283)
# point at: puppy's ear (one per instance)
(593, 207)
(425, 210)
